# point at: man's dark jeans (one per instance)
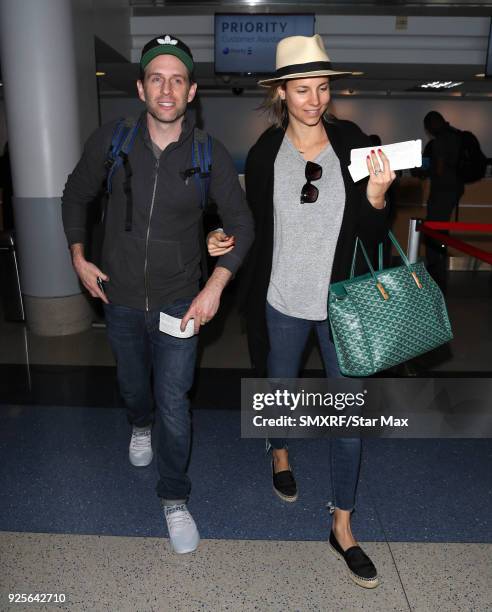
(140, 348)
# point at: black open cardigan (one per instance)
(359, 218)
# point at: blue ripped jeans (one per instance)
(288, 336)
(140, 349)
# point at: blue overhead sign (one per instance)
(247, 43)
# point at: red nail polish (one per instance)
(380, 151)
(368, 157)
(372, 150)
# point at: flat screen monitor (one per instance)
(488, 63)
(246, 43)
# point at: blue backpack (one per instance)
(121, 144)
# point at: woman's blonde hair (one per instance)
(276, 108)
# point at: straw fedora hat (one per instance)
(299, 57)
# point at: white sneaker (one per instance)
(183, 533)
(140, 451)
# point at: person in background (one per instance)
(446, 188)
(307, 213)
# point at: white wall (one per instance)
(237, 123)
(402, 119)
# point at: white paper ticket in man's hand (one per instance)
(402, 155)
(171, 325)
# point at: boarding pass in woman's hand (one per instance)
(402, 155)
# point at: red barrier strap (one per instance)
(454, 242)
(457, 225)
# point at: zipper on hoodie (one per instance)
(156, 172)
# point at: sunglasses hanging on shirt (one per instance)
(310, 192)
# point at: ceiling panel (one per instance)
(348, 7)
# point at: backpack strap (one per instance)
(121, 144)
(201, 156)
(127, 188)
(122, 139)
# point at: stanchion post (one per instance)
(413, 240)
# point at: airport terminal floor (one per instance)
(76, 519)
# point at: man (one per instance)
(446, 188)
(151, 263)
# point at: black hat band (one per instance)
(298, 68)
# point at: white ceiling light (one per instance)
(440, 84)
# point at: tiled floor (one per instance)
(140, 574)
(128, 574)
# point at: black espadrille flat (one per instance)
(361, 569)
(284, 484)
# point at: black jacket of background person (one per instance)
(158, 261)
(444, 152)
(359, 218)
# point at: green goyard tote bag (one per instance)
(386, 317)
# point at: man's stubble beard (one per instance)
(179, 114)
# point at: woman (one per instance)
(307, 213)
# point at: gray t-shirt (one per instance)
(305, 235)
